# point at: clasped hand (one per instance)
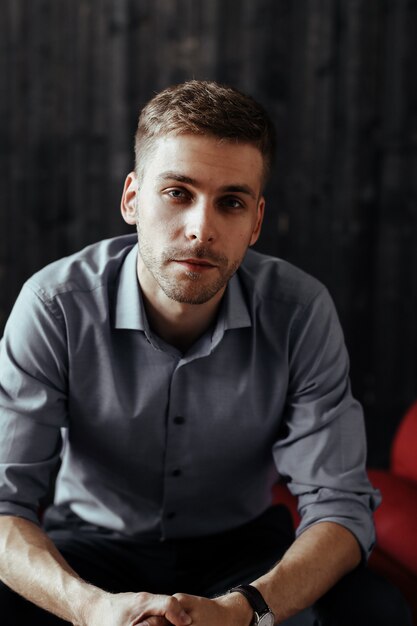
(145, 609)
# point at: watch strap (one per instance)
(254, 597)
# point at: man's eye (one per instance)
(231, 202)
(177, 194)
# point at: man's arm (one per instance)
(317, 559)
(32, 566)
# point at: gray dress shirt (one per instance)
(155, 443)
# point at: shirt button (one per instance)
(179, 419)
(176, 472)
(171, 515)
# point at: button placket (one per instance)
(176, 452)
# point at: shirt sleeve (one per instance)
(33, 406)
(322, 451)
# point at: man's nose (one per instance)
(201, 223)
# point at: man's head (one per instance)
(204, 108)
(196, 197)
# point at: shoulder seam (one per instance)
(38, 290)
(46, 302)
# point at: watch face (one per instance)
(267, 619)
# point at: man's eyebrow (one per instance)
(181, 178)
(240, 189)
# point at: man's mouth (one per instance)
(195, 265)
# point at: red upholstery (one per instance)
(404, 448)
(396, 519)
(395, 554)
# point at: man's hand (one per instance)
(131, 609)
(229, 610)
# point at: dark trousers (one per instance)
(203, 566)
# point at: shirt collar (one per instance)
(130, 312)
(234, 311)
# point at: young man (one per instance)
(186, 374)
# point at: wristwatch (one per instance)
(262, 614)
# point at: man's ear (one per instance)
(259, 219)
(128, 203)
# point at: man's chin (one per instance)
(192, 295)
(196, 299)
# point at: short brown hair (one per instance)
(205, 108)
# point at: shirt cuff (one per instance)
(353, 512)
(18, 510)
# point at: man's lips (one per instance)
(196, 264)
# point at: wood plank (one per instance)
(338, 77)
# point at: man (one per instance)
(186, 374)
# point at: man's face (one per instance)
(197, 209)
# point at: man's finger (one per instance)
(166, 608)
(154, 621)
(174, 612)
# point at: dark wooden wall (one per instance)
(338, 77)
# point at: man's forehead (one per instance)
(201, 139)
(189, 158)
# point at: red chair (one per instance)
(395, 553)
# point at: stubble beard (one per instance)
(192, 287)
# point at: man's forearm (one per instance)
(32, 566)
(318, 558)
(314, 563)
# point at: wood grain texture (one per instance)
(337, 76)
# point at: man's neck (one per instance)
(179, 324)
